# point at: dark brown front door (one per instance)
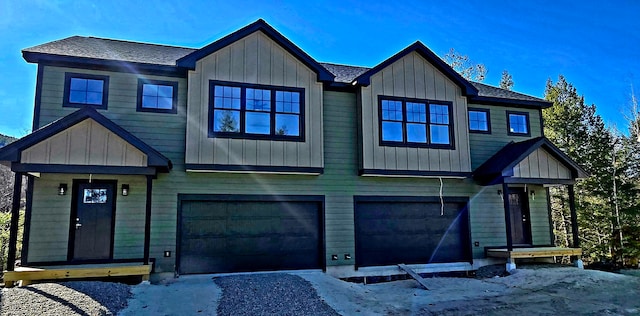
(92, 220)
(520, 217)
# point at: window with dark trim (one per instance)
(157, 96)
(479, 121)
(85, 89)
(415, 123)
(518, 123)
(256, 111)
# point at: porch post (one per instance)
(15, 215)
(574, 217)
(507, 215)
(147, 220)
(577, 261)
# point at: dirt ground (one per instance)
(528, 291)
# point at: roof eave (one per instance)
(103, 64)
(11, 152)
(509, 102)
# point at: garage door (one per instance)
(234, 236)
(389, 233)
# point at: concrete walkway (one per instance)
(187, 295)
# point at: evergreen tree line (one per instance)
(607, 202)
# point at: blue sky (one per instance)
(594, 44)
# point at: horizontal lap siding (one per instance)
(166, 132)
(51, 214)
(483, 146)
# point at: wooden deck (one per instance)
(25, 275)
(533, 252)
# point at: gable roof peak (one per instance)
(467, 88)
(189, 61)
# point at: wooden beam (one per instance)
(574, 217)
(507, 214)
(147, 220)
(56, 274)
(414, 275)
(520, 253)
(15, 216)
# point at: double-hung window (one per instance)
(85, 89)
(479, 121)
(518, 123)
(256, 111)
(415, 123)
(157, 96)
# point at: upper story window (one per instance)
(85, 89)
(479, 121)
(157, 96)
(518, 123)
(256, 111)
(412, 122)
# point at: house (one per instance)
(248, 154)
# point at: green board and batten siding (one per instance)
(165, 132)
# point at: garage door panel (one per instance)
(389, 233)
(231, 236)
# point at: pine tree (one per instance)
(506, 81)
(464, 66)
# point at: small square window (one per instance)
(518, 123)
(85, 89)
(157, 96)
(479, 121)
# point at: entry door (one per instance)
(520, 217)
(92, 220)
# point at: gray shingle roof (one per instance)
(118, 50)
(108, 49)
(495, 92)
(344, 73)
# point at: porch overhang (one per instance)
(534, 161)
(84, 141)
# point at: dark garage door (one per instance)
(233, 236)
(389, 233)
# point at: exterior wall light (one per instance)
(533, 195)
(125, 189)
(62, 189)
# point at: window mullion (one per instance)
(243, 110)
(427, 109)
(272, 112)
(405, 139)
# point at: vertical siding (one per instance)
(86, 143)
(412, 76)
(483, 146)
(259, 60)
(540, 164)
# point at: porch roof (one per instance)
(534, 161)
(52, 149)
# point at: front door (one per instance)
(520, 217)
(92, 220)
